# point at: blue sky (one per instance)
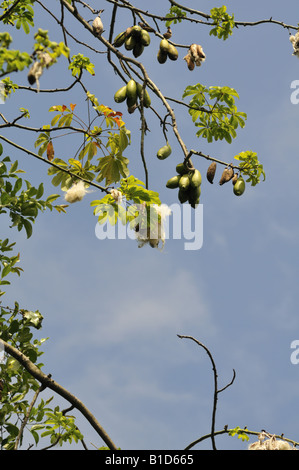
(112, 311)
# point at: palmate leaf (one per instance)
(112, 169)
(214, 112)
(251, 167)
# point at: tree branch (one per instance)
(48, 382)
(35, 155)
(216, 390)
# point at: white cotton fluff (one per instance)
(295, 42)
(117, 195)
(76, 192)
(268, 442)
(155, 233)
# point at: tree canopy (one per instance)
(116, 119)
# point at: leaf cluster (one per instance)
(135, 197)
(175, 15)
(22, 204)
(17, 386)
(214, 112)
(224, 23)
(250, 166)
(19, 14)
(109, 136)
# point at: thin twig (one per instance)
(216, 391)
(25, 420)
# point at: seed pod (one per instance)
(195, 180)
(164, 152)
(190, 62)
(138, 49)
(131, 108)
(97, 26)
(162, 56)
(234, 179)
(239, 186)
(184, 182)
(121, 94)
(181, 168)
(173, 182)
(164, 45)
(132, 91)
(168, 33)
(172, 52)
(183, 196)
(120, 39)
(226, 176)
(136, 31)
(197, 54)
(211, 172)
(145, 38)
(194, 196)
(146, 96)
(130, 43)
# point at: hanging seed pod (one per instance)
(172, 52)
(162, 56)
(120, 39)
(211, 172)
(97, 25)
(173, 182)
(226, 176)
(168, 33)
(239, 186)
(234, 179)
(136, 31)
(164, 45)
(197, 54)
(145, 38)
(190, 62)
(130, 42)
(138, 49)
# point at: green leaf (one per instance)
(28, 227)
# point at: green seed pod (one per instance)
(138, 49)
(194, 196)
(183, 196)
(239, 186)
(119, 40)
(146, 96)
(145, 38)
(164, 152)
(132, 90)
(164, 45)
(173, 182)
(184, 182)
(172, 52)
(136, 31)
(180, 168)
(162, 56)
(130, 42)
(195, 181)
(121, 94)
